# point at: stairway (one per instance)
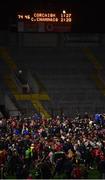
(98, 69)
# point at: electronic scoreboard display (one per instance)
(39, 21)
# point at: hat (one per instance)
(32, 146)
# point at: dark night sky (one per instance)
(87, 15)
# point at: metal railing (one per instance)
(61, 110)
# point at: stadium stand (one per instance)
(52, 94)
(68, 73)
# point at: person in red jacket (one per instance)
(29, 177)
(76, 172)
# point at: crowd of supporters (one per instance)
(61, 146)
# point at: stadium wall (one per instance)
(18, 39)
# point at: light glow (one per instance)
(64, 12)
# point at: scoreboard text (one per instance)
(46, 17)
(44, 21)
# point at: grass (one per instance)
(94, 174)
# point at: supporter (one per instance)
(101, 166)
(28, 144)
(76, 172)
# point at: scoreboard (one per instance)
(44, 22)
